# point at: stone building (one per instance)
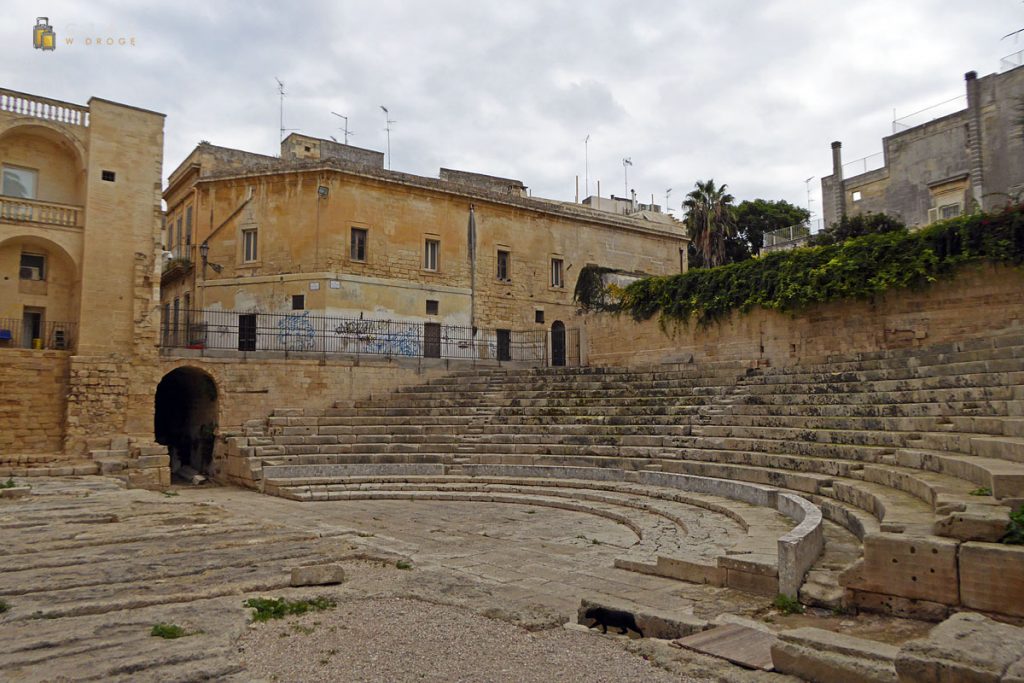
(325, 230)
(79, 241)
(971, 158)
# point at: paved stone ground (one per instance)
(88, 568)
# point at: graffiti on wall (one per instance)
(295, 332)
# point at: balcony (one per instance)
(177, 263)
(23, 104)
(18, 210)
(15, 333)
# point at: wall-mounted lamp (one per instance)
(323, 191)
(204, 252)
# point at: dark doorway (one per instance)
(431, 340)
(186, 420)
(32, 326)
(558, 343)
(504, 344)
(247, 332)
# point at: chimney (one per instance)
(838, 187)
(974, 149)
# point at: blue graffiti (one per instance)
(296, 333)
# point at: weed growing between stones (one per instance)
(168, 631)
(4, 606)
(1015, 530)
(265, 609)
(787, 605)
(981, 491)
(9, 484)
(402, 564)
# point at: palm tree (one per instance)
(709, 219)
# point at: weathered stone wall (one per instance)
(33, 387)
(249, 389)
(979, 300)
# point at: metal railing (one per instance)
(18, 333)
(786, 235)
(923, 116)
(25, 104)
(303, 332)
(35, 211)
(864, 164)
(178, 257)
(1011, 61)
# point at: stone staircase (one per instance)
(918, 442)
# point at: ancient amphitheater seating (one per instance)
(909, 441)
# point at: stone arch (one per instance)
(57, 293)
(59, 156)
(185, 418)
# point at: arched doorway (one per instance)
(186, 420)
(558, 343)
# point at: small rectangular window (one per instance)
(538, 316)
(33, 267)
(19, 182)
(557, 275)
(249, 246)
(949, 211)
(358, 248)
(430, 254)
(432, 307)
(298, 302)
(856, 195)
(504, 265)
(177, 238)
(108, 176)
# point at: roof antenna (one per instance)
(387, 127)
(626, 163)
(345, 129)
(280, 91)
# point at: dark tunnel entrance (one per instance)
(186, 420)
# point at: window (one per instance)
(109, 176)
(298, 302)
(249, 245)
(177, 239)
(538, 316)
(856, 195)
(557, 273)
(33, 267)
(949, 211)
(358, 252)
(432, 307)
(188, 226)
(504, 265)
(430, 252)
(19, 182)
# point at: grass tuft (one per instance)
(265, 609)
(787, 605)
(403, 564)
(168, 631)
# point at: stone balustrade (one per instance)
(23, 104)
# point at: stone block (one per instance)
(992, 578)
(821, 656)
(16, 492)
(154, 478)
(908, 608)
(969, 525)
(966, 648)
(146, 461)
(915, 567)
(317, 575)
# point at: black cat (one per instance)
(616, 618)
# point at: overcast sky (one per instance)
(748, 92)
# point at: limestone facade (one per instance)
(326, 229)
(943, 168)
(79, 239)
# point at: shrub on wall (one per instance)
(858, 268)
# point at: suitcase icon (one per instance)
(43, 37)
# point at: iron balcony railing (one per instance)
(29, 334)
(303, 332)
(34, 211)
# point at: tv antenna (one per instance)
(280, 91)
(586, 163)
(387, 128)
(809, 210)
(668, 192)
(345, 129)
(626, 163)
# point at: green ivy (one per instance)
(858, 268)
